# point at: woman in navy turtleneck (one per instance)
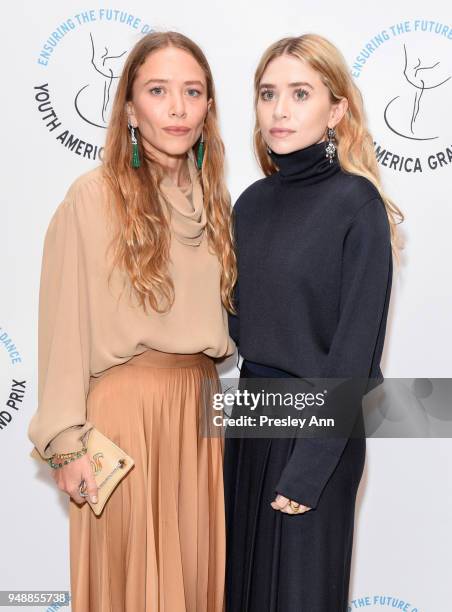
(314, 253)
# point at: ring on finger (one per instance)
(82, 489)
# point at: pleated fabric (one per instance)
(159, 544)
(278, 562)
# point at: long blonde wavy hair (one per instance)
(142, 242)
(355, 147)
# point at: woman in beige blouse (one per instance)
(136, 282)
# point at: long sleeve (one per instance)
(356, 347)
(63, 338)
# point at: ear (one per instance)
(338, 110)
(131, 114)
(209, 104)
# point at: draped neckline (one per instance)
(188, 217)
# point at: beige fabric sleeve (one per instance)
(63, 337)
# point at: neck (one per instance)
(175, 167)
(179, 173)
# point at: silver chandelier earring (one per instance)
(331, 147)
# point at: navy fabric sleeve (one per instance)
(354, 350)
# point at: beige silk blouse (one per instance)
(86, 326)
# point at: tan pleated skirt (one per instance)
(159, 544)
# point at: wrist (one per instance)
(58, 460)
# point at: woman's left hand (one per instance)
(283, 504)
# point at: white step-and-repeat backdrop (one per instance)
(55, 114)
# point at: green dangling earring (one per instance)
(200, 155)
(135, 154)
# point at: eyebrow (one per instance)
(296, 84)
(167, 81)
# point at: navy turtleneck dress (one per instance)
(314, 280)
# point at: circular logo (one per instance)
(405, 74)
(78, 67)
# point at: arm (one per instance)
(63, 339)
(355, 350)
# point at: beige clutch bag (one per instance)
(109, 464)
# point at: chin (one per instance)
(176, 149)
(282, 147)
(289, 147)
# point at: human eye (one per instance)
(267, 94)
(193, 93)
(301, 94)
(156, 91)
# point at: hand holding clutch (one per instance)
(109, 464)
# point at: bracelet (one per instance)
(66, 457)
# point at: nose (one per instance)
(281, 108)
(177, 106)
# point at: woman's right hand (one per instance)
(70, 476)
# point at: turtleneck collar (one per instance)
(188, 217)
(309, 165)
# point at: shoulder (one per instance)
(84, 205)
(89, 185)
(252, 195)
(85, 198)
(356, 192)
(370, 222)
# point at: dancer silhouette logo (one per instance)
(78, 67)
(405, 73)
